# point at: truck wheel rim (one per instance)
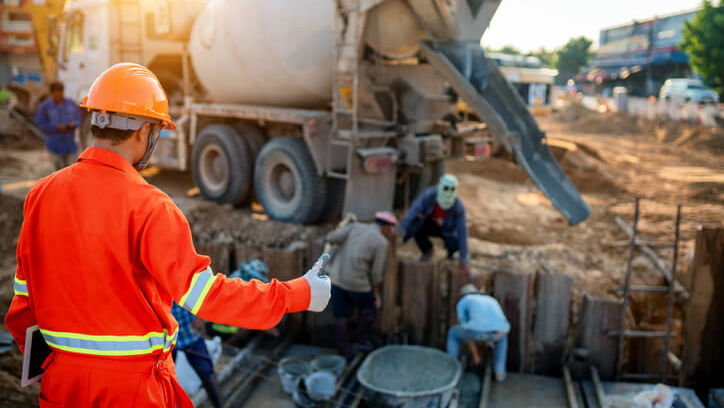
(214, 168)
(285, 184)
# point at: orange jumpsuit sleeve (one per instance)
(20, 316)
(167, 251)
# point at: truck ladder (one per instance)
(129, 31)
(348, 27)
(627, 289)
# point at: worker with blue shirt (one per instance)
(58, 117)
(191, 341)
(438, 212)
(481, 320)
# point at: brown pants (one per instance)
(62, 160)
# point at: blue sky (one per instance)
(531, 24)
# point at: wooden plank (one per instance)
(246, 253)
(416, 279)
(599, 317)
(455, 280)
(319, 326)
(704, 331)
(220, 255)
(553, 300)
(313, 251)
(512, 291)
(390, 313)
(285, 264)
(438, 308)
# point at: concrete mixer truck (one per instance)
(316, 106)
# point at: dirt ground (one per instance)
(611, 159)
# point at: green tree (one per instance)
(704, 43)
(549, 58)
(572, 57)
(509, 49)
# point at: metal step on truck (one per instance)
(316, 107)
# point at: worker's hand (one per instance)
(320, 287)
(378, 300)
(61, 127)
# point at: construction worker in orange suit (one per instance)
(102, 255)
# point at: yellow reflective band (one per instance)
(20, 287)
(191, 288)
(200, 301)
(105, 345)
(93, 337)
(105, 352)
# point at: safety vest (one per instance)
(102, 255)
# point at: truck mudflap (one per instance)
(483, 87)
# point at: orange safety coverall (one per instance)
(101, 256)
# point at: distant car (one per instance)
(682, 90)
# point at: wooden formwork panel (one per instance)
(553, 301)
(598, 318)
(512, 291)
(704, 331)
(389, 319)
(220, 255)
(246, 253)
(416, 281)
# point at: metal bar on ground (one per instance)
(600, 395)
(570, 392)
(241, 393)
(626, 287)
(670, 304)
(644, 288)
(487, 380)
(639, 333)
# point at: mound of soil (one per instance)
(215, 224)
(14, 134)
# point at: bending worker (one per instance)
(357, 272)
(438, 212)
(102, 255)
(481, 320)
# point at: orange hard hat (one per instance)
(130, 89)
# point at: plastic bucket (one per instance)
(331, 363)
(290, 371)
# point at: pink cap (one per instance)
(386, 217)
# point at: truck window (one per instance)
(73, 36)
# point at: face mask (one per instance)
(446, 195)
(150, 147)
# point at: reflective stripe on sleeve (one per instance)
(200, 284)
(20, 287)
(110, 345)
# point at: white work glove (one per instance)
(320, 287)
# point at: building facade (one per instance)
(640, 56)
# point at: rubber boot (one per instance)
(341, 328)
(213, 391)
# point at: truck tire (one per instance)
(287, 183)
(222, 166)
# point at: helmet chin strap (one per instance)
(144, 162)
